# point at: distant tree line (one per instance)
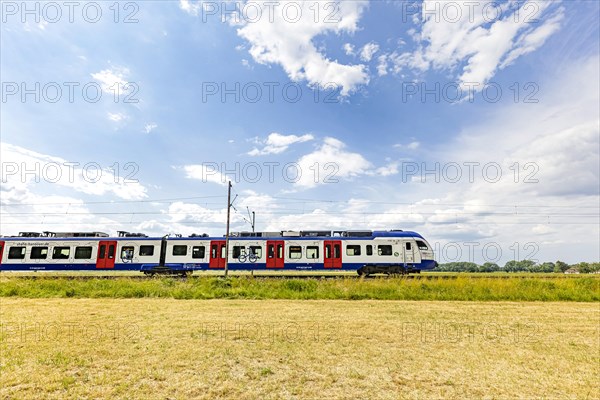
(519, 266)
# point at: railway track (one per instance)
(269, 277)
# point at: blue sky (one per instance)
(361, 127)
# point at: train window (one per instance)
(179, 250)
(271, 251)
(82, 253)
(146, 250)
(198, 252)
(213, 251)
(257, 251)
(337, 251)
(353, 250)
(16, 253)
(369, 250)
(422, 245)
(102, 251)
(295, 252)
(61, 253)
(127, 253)
(327, 251)
(111, 251)
(279, 251)
(384, 250)
(223, 250)
(408, 246)
(238, 250)
(312, 252)
(39, 253)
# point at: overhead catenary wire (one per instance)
(306, 200)
(292, 212)
(504, 214)
(308, 221)
(168, 200)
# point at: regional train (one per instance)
(366, 252)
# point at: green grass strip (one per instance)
(581, 289)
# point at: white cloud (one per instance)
(388, 170)
(87, 176)
(411, 146)
(150, 127)
(205, 172)
(113, 80)
(193, 213)
(368, 50)
(290, 44)
(340, 215)
(348, 49)
(117, 117)
(329, 163)
(254, 200)
(474, 41)
(277, 143)
(28, 211)
(382, 65)
(246, 63)
(534, 39)
(192, 8)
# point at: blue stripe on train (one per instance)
(233, 266)
(67, 267)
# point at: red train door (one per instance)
(333, 253)
(1, 251)
(106, 254)
(275, 251)
(217, 254)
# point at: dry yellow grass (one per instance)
(170, 349)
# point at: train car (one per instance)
(366, 252)
(77, 252)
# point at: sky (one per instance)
(474, 123)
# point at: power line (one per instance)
(346, 222)
(301, 200)
(297, 212)
(368, 202)
(111, 202)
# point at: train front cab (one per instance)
(426, 255)
(400, 254)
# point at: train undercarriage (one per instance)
(395, 269)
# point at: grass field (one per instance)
(267, 273)
(291, 349)
(464, 288)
